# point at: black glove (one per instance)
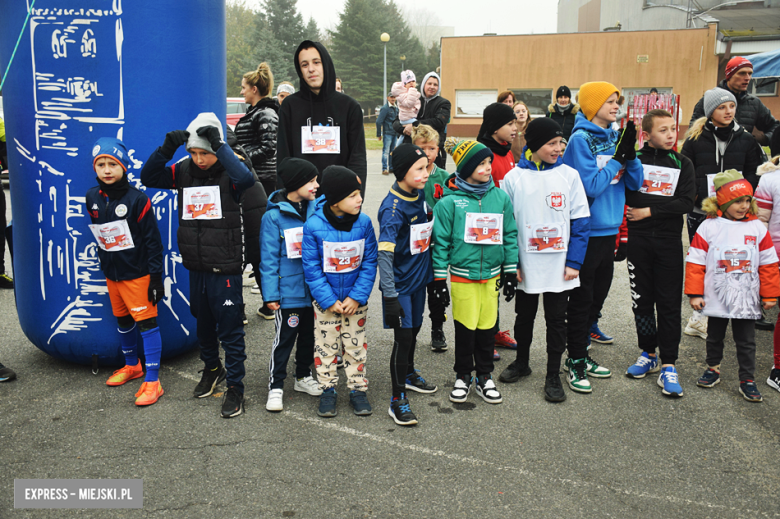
(393, 312)
(620, 255)
(211, 134)
(441, 292)
(626, 149)
(156, 289)
(172, 142)
(508, 280)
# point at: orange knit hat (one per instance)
(593, 95)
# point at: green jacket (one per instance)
(437, 176)
(471, 260)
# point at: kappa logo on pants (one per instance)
(228, 302)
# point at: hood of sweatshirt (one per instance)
(425, 80)
(771, 166)
(603, 134)
(328, 70)
(526, 162)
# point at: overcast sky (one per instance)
(467, 16)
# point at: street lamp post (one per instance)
(385, 38)
(403, 58)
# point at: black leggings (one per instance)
(402, 357)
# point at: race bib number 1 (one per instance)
(545, 237)
(292, 241)
(420, 237)
(484, 228)
(202, 203)
(601, 161)
(113, 236)
(342, 257)
(659, 180)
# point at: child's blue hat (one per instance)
(111, 147)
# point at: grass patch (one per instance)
(371, 141)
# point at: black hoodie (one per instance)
(327, 108)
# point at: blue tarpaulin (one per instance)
(766, 64)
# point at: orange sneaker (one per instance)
(149, 393)
(125, 374)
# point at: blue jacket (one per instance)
(384, 123)
(606, 200)
(327, 288)
(146, 257)
(282, 277)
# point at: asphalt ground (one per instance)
(622, 451)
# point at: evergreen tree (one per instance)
(266, 48)
(286, 25)
(238, 29)
(312, 32)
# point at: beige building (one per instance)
(475, 69)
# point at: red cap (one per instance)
(735, 64)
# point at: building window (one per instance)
(765, 90)
(537, 99)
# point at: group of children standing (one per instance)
(544, 226)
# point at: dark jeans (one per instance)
(744, 332)
(388, 145)
(555, 305)
(402, 357)
(291, 324)
(473, 349)
(655, 266)
(586, 301)
(216, 302)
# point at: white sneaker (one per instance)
(275, 400)
(696, 327)
(248, 278)
(460, 391)
(255, 289)
(488, 392)
(308, 385)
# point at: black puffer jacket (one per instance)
(742, 153)
(751, 112)
(256, 133)
(565, 119)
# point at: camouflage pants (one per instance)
(331, 331)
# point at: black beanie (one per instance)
(296, 173)
(563, 91)
(404, 157)
(494, 117)
(338, 183)
(540, 131)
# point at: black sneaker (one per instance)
(553, 389)
(773, 381)
(233, 404)
(417, 383)
(438, 340)
(327, 407)
(749, 391)
(6, 374)
(6, 281)
(514, 371)
(763, 324)
(209, 381)
(359, 402)
(400, 411)
(265, 312)
(486, 388)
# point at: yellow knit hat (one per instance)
(593, 95)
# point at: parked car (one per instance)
(236, 108)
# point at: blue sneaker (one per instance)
(400, 411)
(359, 402)
(327, 407)
(749, 391)
(669, 382)
(597, 335)
(709, 379)
(644, 364)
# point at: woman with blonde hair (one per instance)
(523, 118)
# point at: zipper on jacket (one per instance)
(481, 249)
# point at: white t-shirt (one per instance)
(544, 203)
(731, 253)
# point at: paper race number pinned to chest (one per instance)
(484, 228)
(420, 237)
(292, 241)
(202, 203)
(601, 161)
(545, 237)
(321, 139)
(113, 236)
(342, 257)
(735, 260)
(659, 180)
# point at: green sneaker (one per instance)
(596, 371)
(578, 375)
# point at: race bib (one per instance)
(420, 237)
(601, 161)
(202, 203)
(484, 228)
(545, 237)
(113, 236)
(735, 260)
(292, 240)
(659, 180)
(321, 139)
(342, 257)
